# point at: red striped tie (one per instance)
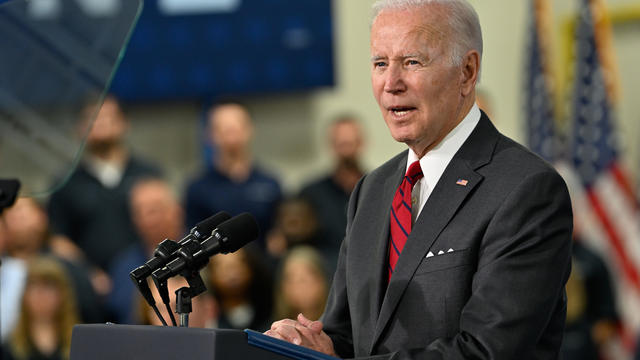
(400, 221)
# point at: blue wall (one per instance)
(261, 47)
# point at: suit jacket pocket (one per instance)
(444, 261)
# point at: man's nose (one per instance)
(395, 80)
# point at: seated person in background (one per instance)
(591, 308)
(26, 235)
(13, 274)
(232, 182)
(90, 213)
(295, 224)
(47, 316)
(203, 306)
(302, 286)
(157, 215)
(329, 195)
(242, 289)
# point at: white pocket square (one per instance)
(441, 252)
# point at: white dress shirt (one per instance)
(436, 160)
(13, 277)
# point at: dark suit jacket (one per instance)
(498, 295)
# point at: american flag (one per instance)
(607, 218)
(538, 95)
(605, 213)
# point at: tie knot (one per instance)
(415, 172)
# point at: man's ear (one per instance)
(470, 72)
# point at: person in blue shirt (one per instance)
(232, 183)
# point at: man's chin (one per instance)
(402, 137)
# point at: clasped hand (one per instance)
(303, 332)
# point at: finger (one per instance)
(307, 334)
(316, 341)
(303, 320)
(273, 334)
(289, 333)
(283, 322)
(316, 326)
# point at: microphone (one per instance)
(230, 236)
(167, 250)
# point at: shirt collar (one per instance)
(437, 159)
(109, 174)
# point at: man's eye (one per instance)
(378, 64)
(413, 62)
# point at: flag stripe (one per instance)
(621, 215)
(625, 185)
(629, 269)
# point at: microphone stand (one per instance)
(192, 274)
(185, 294)
(183, 305)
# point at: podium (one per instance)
(139, 342)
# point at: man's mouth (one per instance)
(401, 110)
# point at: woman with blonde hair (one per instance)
(302, 285)
(47, 315)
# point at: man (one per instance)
(483, 264)
(232, 183)
(329, 195)
(157, 215)
(90, 212)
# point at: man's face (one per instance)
(109, 126)
(25, 227)
(155, 213)
(346, 141)
(415, 84)
(231, 129)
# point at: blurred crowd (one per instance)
(66, 260)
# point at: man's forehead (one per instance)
(405, 27)
(414, 43)
(229, 115)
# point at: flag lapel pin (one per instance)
(462, 182)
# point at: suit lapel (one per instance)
(380, 255)
(442, 205)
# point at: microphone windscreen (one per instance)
(238, 231)
(204, 228)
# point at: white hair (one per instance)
(463, 23)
